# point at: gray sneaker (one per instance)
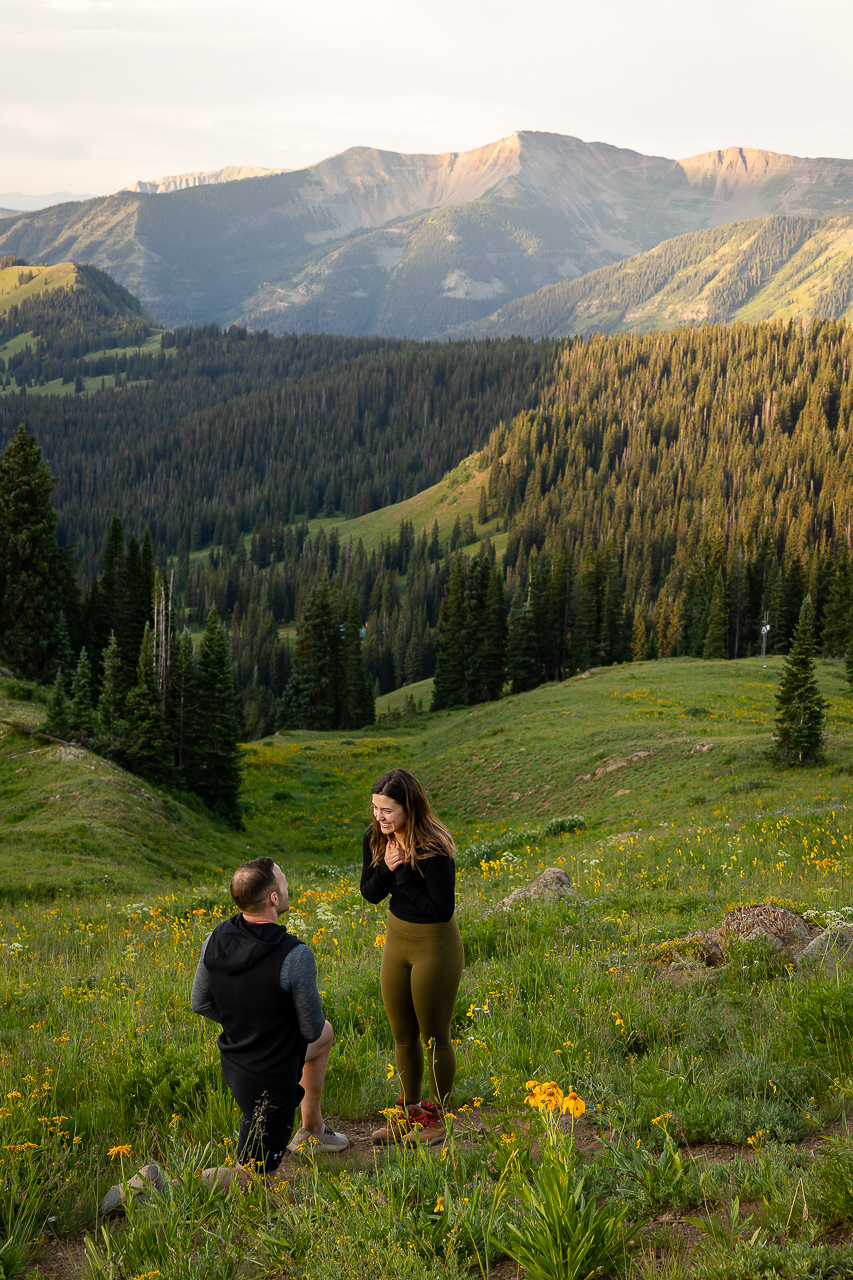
(149, 1178)
(327, 1139)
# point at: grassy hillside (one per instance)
(788, 268)
(72, 823)
(456, 494)
(700, 1085)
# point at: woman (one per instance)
(408, 854)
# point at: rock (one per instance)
(769, 940)
(553, 880)
(768, 918)
(830, 951)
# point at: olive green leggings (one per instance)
(421, 968)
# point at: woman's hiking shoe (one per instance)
(149, 1178)
(326, 1140)
(428, 1127)
(398, 1122)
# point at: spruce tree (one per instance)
(524, 669)
(33, 580)
(449, 687)
(216, 745)
(848, 664)
(587, 627)
(800, 709)
(146, 743)
(483, 509)
(109, 703)
(82, 717)
(358, 706)
(311, 699)
(638, 637)
(714, 645)
(492, 655)
(475, 590)
(182, 703)
(58, 723)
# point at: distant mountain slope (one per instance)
(52, 318)
(377, 242)
(22, 282)
(771, 267)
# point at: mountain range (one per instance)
(512, 236)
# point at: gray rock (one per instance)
(553, 880)
(830, 951)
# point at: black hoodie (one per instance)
(260, 1042)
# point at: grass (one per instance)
(456, 494)
(684, 817)
(44, 278)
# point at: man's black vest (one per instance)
(260, 1041)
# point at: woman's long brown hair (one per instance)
(425, 834)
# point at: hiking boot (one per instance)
(326, 1140)
(428, 1127)
(398, 1122)
(149, 1178)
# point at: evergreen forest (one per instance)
(640, 496)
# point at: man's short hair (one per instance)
(252, 883)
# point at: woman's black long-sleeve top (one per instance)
(421, 896)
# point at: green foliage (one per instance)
(81, 715)
(145, 741)
(564, 1235)
(58, 720)
(800, 707)
(835, 1180)
(30, 607)
(215, 769)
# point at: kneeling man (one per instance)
(260, 984)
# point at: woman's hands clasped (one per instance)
(395, 855)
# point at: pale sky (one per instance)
(97, 93)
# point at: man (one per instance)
(260, 984)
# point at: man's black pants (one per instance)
(266, 1122)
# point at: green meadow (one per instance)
(709, 1135)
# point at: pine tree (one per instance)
(449, 687)
(358, 706)
(216, 745)
(587, 615)
(483, 509)
(800, 709)
(311, 699)
(146, 743)
(714, 645)
(182, 703)
(838, 615)
(491, 659)
(474, 591)
(524, 669)
(31, 605)
(58, 721)
(638, 637)
(82, 717)
(109, 703)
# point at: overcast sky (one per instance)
(97, 93)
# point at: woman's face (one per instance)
(390, 815)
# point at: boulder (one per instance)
(768, 921)
(553, 880)
(830, 951)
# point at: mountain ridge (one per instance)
(373, 242)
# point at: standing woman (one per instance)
(408, 854)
